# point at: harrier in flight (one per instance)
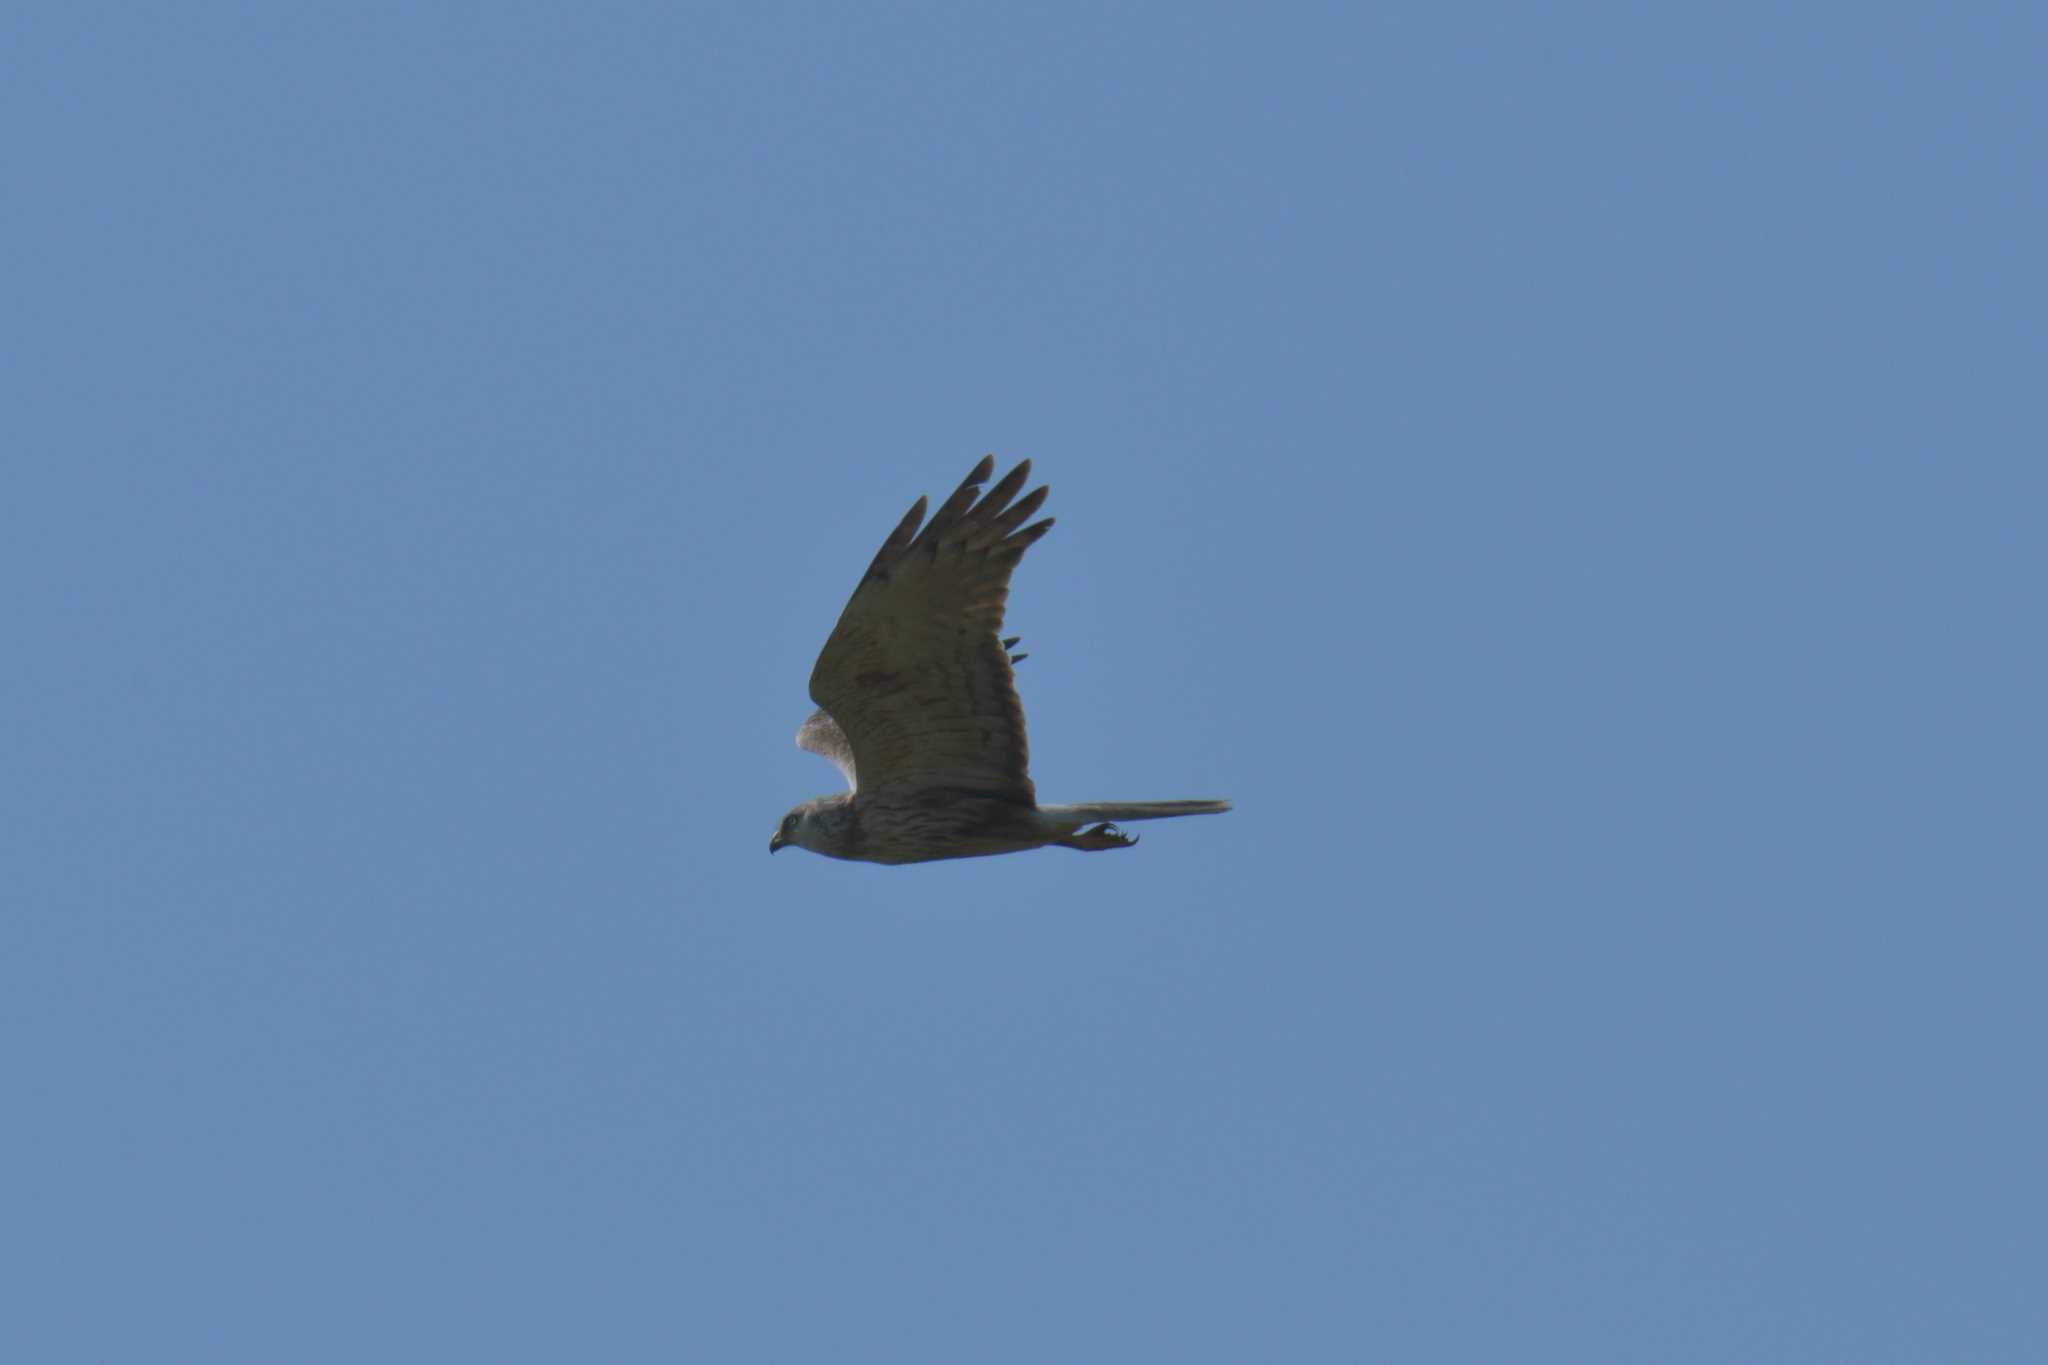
(918, 707)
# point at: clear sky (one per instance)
(1572, 474)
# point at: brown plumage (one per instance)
(918, 704)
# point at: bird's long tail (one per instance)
(1067, 819)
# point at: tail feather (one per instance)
(1067, 819)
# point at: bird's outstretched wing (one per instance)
(915, 674)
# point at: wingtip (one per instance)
(1033, 531)
(912, 519)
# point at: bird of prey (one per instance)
(918, 706)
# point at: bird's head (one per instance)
(801, 827)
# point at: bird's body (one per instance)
(918, 705)
(936, 823)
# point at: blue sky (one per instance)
(1572, 474)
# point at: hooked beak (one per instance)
(776, 841)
